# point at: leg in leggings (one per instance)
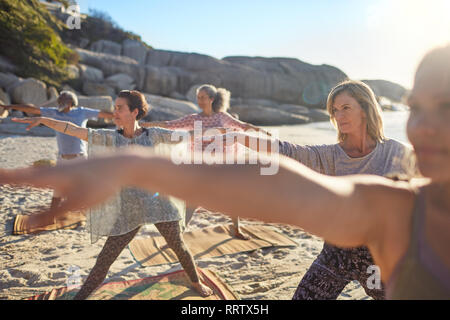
(171, 232)
(333, 269)
(319, 284)
(114, 245)
(364, 260)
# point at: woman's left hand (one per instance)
(33, 122)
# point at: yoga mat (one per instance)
(70, 220)
(206, 243)
(172, 286)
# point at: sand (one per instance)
(33, 264)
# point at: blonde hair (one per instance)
(220, 96)
(362, 93)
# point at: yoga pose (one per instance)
(214, 103)
(405, 226)
(362, 149)
(121, 219)
(69, 147)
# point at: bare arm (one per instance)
(346, 211)
(60, 126)
(28, 108)
(161, 124)
(255, 143)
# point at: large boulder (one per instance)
(89, 73)
(295, 109)
(8, 80)
(317, 115)
(135, 50)
(106, 46)
(120, 82)
(267, 116)
(29, 91)
(390, 90)
(52, 93)
(97, 89)
(188, 61)
(111, 65)
(102, 103)
(183, 107)
(289, 80)
(163, 114)
(160, 80)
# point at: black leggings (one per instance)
(333, 269)
(114, 245)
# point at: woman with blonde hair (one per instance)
(214, 103)
(362, 148)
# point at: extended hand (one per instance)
(83, 183)
(34, 122)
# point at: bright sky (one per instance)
(367, 39)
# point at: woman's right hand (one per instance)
(33, 122)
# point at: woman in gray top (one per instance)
(361, 149)
(122, 216)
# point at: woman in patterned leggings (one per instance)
(115, 244)
(134, 207)
(362, 149)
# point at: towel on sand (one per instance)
(171, 286)
(208, 242)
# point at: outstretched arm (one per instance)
(60, 126)
(345, 211)
(160, 124)
(28, 108)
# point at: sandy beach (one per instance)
(30, 265)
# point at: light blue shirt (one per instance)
(79, 116)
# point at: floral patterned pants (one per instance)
(333, 269)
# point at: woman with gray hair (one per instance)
(69, 147)
(362, 148)
(214, 103)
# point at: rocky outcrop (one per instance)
(106, 46)
(259, 115)
(390, 90)
(120, 82)
(113, 64)
(135, 50)
(88, 73)
(29, 91)
(98, 89)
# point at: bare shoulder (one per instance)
(390, 204)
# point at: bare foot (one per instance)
(238, 234)
(203, 289)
